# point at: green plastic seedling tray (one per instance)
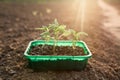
(53, 62)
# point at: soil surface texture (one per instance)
(58, 50)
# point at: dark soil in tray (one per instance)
(59, 50)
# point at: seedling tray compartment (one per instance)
(57, 62)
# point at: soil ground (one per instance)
(112, 20)
(17, 23)
(115, 3)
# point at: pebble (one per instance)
(1, 78)
(12, 72)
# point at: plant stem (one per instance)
(73, 44)
(54, 47)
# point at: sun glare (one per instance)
(80, 17)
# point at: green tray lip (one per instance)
(58, 56)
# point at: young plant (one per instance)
(46, 33)
(53, 31)
(57, 32)
(76, 37)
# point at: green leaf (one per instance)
(61, 28)
(44, 33)
(82, 33)
(38, 28)
(67, 33)
(42, 28)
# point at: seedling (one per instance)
(55, 31)
(76, 36)
(52, 31)
(46, 33)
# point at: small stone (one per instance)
(48, 10)
(17, 19)
(1, 78)
(12, 72)
(35, 13)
